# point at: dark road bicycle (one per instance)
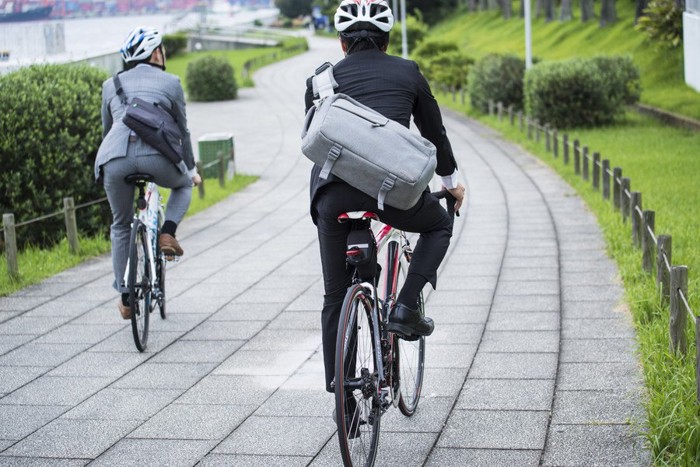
(374, 368)
(145, 270)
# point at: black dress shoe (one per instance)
(408, 323)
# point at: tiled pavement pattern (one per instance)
(532, 361)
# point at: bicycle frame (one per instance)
(149, 217)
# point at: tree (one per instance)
(549, 10)
(294, 8)
(507, 8)
(566, 12)
(608, 13)
(587, 10)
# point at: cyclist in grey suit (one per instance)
(123, 153)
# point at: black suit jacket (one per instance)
(395, 88)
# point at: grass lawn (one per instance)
(662, 163)
(36, 264)
(662, 69)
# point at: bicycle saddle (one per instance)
(135, 178)
(357, 215)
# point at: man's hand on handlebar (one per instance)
(459, 192)
(196, 179)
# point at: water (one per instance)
(75, 39)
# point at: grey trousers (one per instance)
(121, 200)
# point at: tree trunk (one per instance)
(473, 5)
(608, 12)
(640, 6)
(566, 12)
(539, 8)
(483, 5)
(548, 10)
(522, 8)
(507, 7)
(587, 10)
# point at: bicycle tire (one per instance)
(358, 413)
(139, 284)
(160, 265)
(410, 357)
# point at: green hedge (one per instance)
(581, 92)
(175, 44)
(210, 78)
(499, 78)
(50, 129)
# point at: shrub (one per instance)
(621, 78)
(416, 30)
(450, 69)
(210, 79)
(175, 44)
(568, 94)
(428, 50)
(499, 78)
(50, 129)
(663, 23)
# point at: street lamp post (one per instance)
(528, 35)
(404, 41)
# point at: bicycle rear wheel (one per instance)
(410, 356)
(358, 414)
(140, 293)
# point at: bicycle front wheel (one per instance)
(139, 284)
(410, 356)
(358, 412)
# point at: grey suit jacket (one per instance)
(151, 84)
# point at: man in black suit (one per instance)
(395, 88)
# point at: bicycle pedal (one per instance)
(172, 258)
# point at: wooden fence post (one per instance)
(596, 170)
(8, 225)
(555, 137)
(537, 131)
(511, 115)
(606, 179)
(648, 246)
(71, 224)
(679, 282)
(499, 106)
(617, 175)
(200, 170)
(547, 138)
(529, 127)
(624, 199)
(520, 120)
(636, 220)
(584, 159)
(565, 144)
(662, 274)
(577, 157)
(222, 170)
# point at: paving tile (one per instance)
(597, 328)
(447, 457)
(198, 351)
(279, 436)
(248, 312)
(430, 417)
(458, 315)
(439, 382)
(8, 343)
(449, 355)
(598, 445)
(287, 340)
(514, 303)
(518, 341)
(225, 330)
(35, 325)
(514, 366)
(507, 394)
(112, 364)
(458, 298)
(56, 390)
(124, 342)
(231, 390)
(263, 362)
(40, 462)
(18, 421)
(599, 376)
(599, 350)
(154, 375)
(597, 407)
(529, 287)
(405, 449)
(13, 377)
(524, 321)
(123, 404)
(495, 429)
(41, 354)
(174, 453)
(298, 402)
(81, 334)
(20, 303)
(239, 460)
(297, 320)
(539, 274)
(72, 438)
(581, 293)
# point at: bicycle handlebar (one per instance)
(450, 200)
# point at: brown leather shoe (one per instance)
(124, 310)
(169, 245)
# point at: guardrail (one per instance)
(262, 60)
(672, 281)
(9, 226)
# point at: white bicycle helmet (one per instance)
(354, 15)
(140, 44)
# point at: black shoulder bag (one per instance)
(155, 124)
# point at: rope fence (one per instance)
(9, 226)
(671, 280)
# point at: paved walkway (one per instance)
(532, 361)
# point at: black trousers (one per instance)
(427, 217)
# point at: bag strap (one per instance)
(118, 88)
(323, 81)
(387, 185)
(124, 99)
